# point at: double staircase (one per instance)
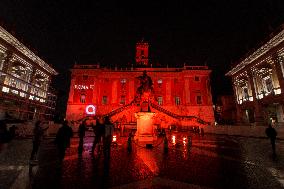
(157, 107)
(118, 110)
(176, 116)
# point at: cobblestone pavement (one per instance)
(213, 161)
(14, 162)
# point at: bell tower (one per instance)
(142, 53)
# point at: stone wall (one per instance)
(246, 131)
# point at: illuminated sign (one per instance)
(90, 109)
(84, 87)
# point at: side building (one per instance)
(258, 82)
(182, 96)
(24, 81)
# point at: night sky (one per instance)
(215, 33)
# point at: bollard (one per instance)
(166, 145)
(129, 143)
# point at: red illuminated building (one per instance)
(179, 96)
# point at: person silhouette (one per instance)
(62, 139)
(37, 138)
(81, 132)
(271, 134)
(98, 131)
(109, 128)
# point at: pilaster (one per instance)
(94, 99)
(187, 93)
(131, 90)
(239, 116)
(168, 91)
(277, 62)
(258, 113)
(71, 91)
(114, 92)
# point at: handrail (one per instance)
(159, 108)
(112, 113)
(118, 110)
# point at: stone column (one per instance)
(258, 112)
(277, 62)
(7, 62)
(251, 83)
(32, 80)
(6, 65)
(239, 119)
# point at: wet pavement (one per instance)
(212, 161)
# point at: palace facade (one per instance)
(24, 81)
(258, 82)
(180, 96)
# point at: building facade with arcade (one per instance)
(177, 96)
(25, 79)
(258, 82)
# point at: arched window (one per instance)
(122, 100)
(160, 100)
(83, 98)
(104, 100)
(160, 82)
(123, 81)
(196, 78)
(177, 100)
(198, 99)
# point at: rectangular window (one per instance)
(83, 98)
(245, 93)
(85, 77)
(104, 100)
(160, 81)
(175, 81)
(177, 100)
(196, 78)
(269, 85)
(199, 99)
(160, 100)
(122, 100)
(1, 61)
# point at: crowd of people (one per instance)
(103, 131)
